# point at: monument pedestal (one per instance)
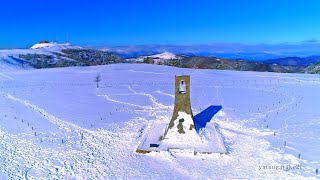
(180, 134)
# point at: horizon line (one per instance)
(101, 45)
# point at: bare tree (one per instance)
(97, 79)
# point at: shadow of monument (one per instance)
(205, 116)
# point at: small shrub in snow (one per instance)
(97, 79)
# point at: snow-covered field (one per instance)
(55, 123)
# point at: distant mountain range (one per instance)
(51, 55)
(295, 61)
(259, 52)
(282, 57)
(204, 62)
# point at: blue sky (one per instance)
(124, 22)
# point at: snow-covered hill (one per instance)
(55, 123)
(166, 56)
(54, 47)
(50, 55)
(162, 57)
(9, 59)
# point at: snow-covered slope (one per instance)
(42, 45)
(9, 59)
(165, 55)
(55, 123)
(53, 47)
(51, 55)
(162, 57)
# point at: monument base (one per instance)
(211, 141)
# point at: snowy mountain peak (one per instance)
(157, 58)
(165, 55)
(51, 46)
(42, 45)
